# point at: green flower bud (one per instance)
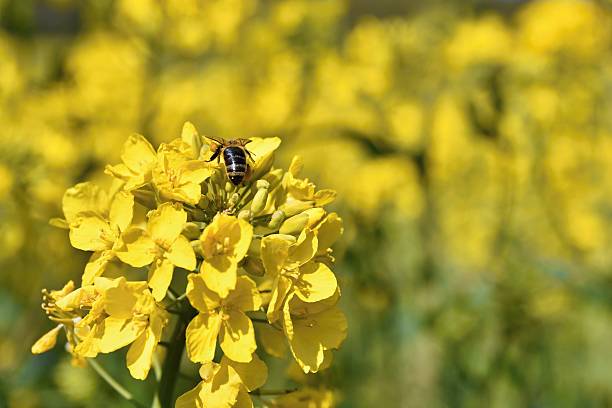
(192, 230)
(229, 187)
(245, 215)
(197, 247)
(254, 266)
(145, 198)
(295, 207)
(294, 225)
(276, 220)
(204, 202)
(233, 201)
(261, 197)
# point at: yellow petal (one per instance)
(230, 235)
(160, 276)
(119, 301)
(138, 248)
(195, 172)
(220, 392)
(192, 399)
(83, 197)
(47, 341)
(272, 340)
(304, 249)
(83, 296)
(245, 296)
(166, 223)
(201, 337)
(281, 289)
(253, 374)
(329, 231)
(316, 282)
(314, 334)
(181, 254)
(263, 152)
(119, 333)
(220, 275)
(190, 136)
(91, 232)
(243, 399)
(274, 253)
(200, 297)
(138, 154)
(121, 210)
(237, 337)
(96, 266)
(324, 197)
(140, 354)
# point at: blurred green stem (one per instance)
(113, 383)
(172, 362)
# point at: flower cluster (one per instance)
(182, 257)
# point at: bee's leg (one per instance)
(250, 155)
(247, 174)
(215, 155)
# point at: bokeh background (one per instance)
(470, 143)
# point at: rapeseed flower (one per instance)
(271, 227)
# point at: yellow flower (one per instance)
(176, 176)
(224, 243)
(303, 189)
(98, 231)
(262, 151)
(123, 313)
(223, 317)
(161, 245)
(312, 329)
(138, 159)
(83, 197)
(291, 267)
(226, 384)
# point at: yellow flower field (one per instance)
(455, 155)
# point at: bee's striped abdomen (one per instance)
(235, 163)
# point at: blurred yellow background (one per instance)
(470, 143)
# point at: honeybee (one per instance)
(234, 156)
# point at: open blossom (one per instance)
(290, 264)
(222, 317)
(196, 261)
(96, 228)
(224, 243)
(161, 245)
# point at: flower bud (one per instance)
(246, 215)
(196, 244)
(294, 225)
(261, 197)
(276, 220)
(192, 230)
(233, 201)
(145, 198)
(295, 207)
(229, 187)
(204, 202)
(254, 266)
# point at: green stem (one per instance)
(113, 383)
(272, 392)
(172, 362)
